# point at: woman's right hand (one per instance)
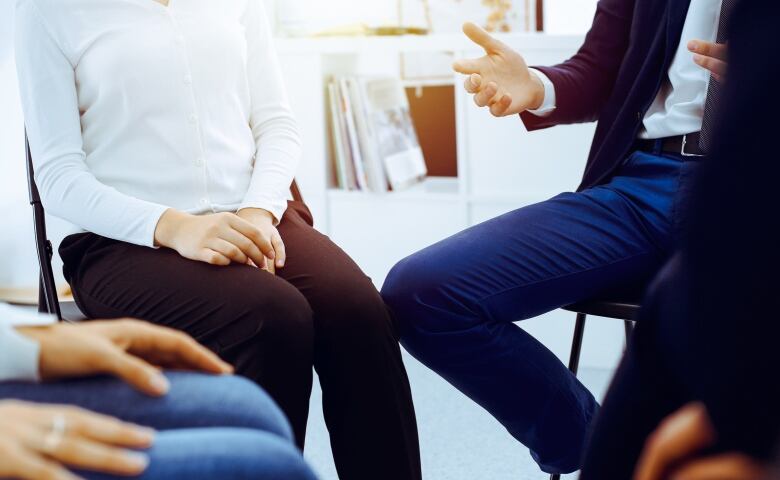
(40, 441)
(218, 239)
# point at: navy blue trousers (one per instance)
(457, 301)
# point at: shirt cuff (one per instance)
(19, 356)
(24, 317)
(549, 102)
(277, 207)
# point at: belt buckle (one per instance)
(685, 144)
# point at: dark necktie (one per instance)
(715, 91)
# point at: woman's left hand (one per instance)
(264, 220)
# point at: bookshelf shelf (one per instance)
(416, 43)
(432, 188)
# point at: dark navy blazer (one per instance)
(615, 77)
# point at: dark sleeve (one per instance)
(584, 82)
(733, 246)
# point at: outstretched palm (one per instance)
(501, 79)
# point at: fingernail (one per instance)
(692, 45)
(280, 263)
(160, 384)
(137, 460)
(145, 435)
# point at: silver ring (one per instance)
(53, 439)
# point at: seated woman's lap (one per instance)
(194, 401)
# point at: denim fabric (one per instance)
(210, 427)
(456, 302)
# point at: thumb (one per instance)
(482, 38)
(139, 374)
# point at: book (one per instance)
(393, 132)
(374, 143)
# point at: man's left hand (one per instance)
(711, 56)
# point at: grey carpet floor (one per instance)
(459, 440)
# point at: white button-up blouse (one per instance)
(133, 107)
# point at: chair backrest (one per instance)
(48, 302)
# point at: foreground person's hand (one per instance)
(671, 451)
(711, 56)
(39, 441)
(218, 239)
(501, 79)
(131, 350)
(264, 221)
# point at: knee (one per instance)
(413, 288)
(226, 401)
(279, 316)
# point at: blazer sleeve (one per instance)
(68, 188)
(274, 127)
(584, 82)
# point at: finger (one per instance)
(89, 455)
(717, 67)
(484, 98)
(732, 466)
(500, 108)
(108, 430)
(228, 250)
(253, 233)
(208, 255)
(246, 245)
(27, 466)
(482, 38)
(138, 373)
(279, 248)
(180, 349)
(708, 49)
(473, 83)
(680, 435)
(468, 66)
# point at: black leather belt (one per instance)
(685, 145)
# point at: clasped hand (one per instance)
(246, 238)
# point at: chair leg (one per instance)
(574, 357)
(576, 344)
(629, 330)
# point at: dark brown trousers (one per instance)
(320, 310)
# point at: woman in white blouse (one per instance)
(210, 426)
(165, 123)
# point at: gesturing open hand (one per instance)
(501, 79)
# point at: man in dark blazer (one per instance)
(640, 74)
(706, 344)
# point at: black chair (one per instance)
(625, 310)
(48, 301)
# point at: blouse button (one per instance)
(188, 79)
(193, 118)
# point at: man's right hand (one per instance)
(501, 79)
(218, 239)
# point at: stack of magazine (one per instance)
(375, 145)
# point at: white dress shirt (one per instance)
(19, 355)
(678, 109)
(133, 107)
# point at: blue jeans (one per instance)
(456, 302)
(210, 427)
